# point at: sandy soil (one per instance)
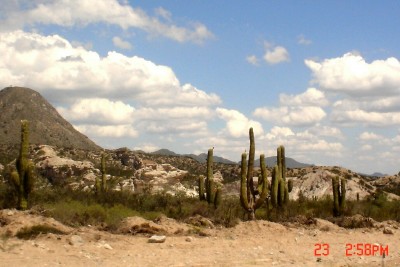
(256, 243)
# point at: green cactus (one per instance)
(339, 195)
(279, 187)
(250, 198)
(276, 177)
(202, 195)
(207, 187)
(101, 184)
(217, 197)
(23, 178)
(210, 177)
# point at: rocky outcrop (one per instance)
(58, 170)
(123, 167)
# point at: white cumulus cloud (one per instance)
(252, 59)
(69, 13)
(237, 124)
(311, 97)
(108, 130)
(276, 54)
(52, 63)
(368, 136)
(98, 110)
(296, 116)
(352, 75)
(120, 43)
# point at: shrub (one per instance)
(34, 231)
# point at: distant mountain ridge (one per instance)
(46, 126)
(202, 158)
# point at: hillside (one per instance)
(202, 158)
(46, 124)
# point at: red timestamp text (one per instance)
(366, 249)
(321, 249)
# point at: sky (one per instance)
(321, 78)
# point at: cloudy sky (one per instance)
(320, 77)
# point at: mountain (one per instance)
(290, 163)
(164, 152)
(202, 158)
(46, 126)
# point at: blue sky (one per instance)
(320, 77)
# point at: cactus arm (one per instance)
(264, 183)
(250, 168)
(201, 188)
(243, 184)
(281, 192)
(342, 195)
(282, 161)
(15, 179)
(275, 185)
(290, 185)
(97, 185)
(217, 197)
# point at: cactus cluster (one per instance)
(208, 190)
(252, 198)
(23, 177)
(339, 195)
(280, 189)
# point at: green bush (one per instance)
(77, 208)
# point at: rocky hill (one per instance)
(46, 124)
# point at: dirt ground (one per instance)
(256, 243)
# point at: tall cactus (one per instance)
(339, 195)
(101, 185)
(210, 177)
(280, 189)
(250, 198)
(23, 178)
(207, 187)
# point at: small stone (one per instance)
(10, 213)
(388, 231)
(189, 239)
(107, 246)
(75, 240)
(157, 239)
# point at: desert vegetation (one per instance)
(105, 208)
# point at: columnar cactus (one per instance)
(279, 188)
(23, 178)
(103, 173)
(207, 187)
(339, 195)
(101, 185)
(250, 198)
(210, 177)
